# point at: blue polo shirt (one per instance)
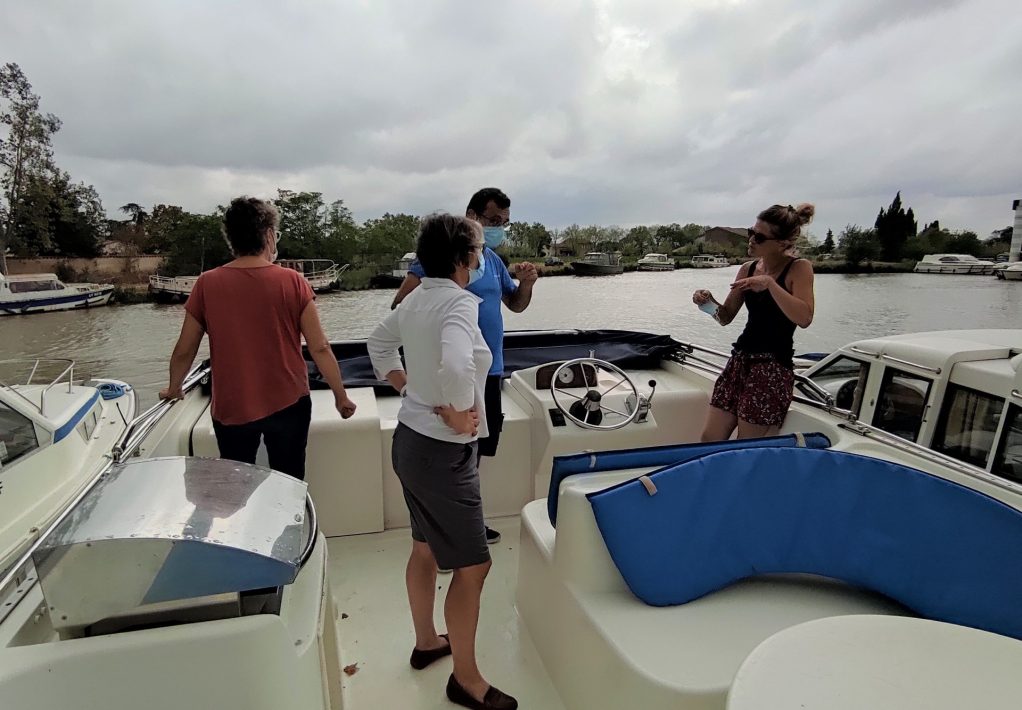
(492, 287)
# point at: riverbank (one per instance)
(365, 279)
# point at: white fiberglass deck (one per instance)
(367, 575)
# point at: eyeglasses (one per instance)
(497, 221)
(759, 237)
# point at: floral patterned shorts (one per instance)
(756, 388)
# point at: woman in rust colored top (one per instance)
(256, 313)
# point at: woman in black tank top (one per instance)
(755, 389)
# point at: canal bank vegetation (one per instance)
(44, 213)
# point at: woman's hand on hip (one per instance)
(463, 422)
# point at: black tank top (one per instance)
(768, 330)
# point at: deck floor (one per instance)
(367, 574)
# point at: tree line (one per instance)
(43, 212)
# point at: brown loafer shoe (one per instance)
(421, 659)
(493, 700)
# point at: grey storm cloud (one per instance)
(588, 111)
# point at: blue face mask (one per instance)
(494, 236)
(477, 273)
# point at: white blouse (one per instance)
(447, 359)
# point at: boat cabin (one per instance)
(955, 392)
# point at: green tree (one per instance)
(859, 244)
(894, 227)
(529, 239)
(386, 238)
(965, 242)
(638, 241)
(67, 218)
(26, 153)
(669, 237)
(342, 234)
(162, 227)
(302, 224)
(828, 243)
(195, 243)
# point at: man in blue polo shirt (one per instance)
(491, 208)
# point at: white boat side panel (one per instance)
(264, 662)
(343, 462)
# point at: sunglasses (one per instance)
(759, 237)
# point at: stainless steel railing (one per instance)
(824, 401)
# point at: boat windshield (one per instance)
(17, 435)
(35, 285)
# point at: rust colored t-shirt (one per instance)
(252, 317)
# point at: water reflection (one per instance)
(133, 343)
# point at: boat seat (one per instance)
(343, 462)
(585, 463)
(695, 528)
(604, 648)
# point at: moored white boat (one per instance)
(954, 264)
(400, 270)
(322, 274)
(1012, 272)
(598, 263)
(171, 288)
(655, 262)
(582, 636)
(54, 436)
(707, 261)
(39, 293)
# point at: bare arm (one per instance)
(183, 356)
(734, 301)
(799, 305)
(406, 287)
(323, 355)
(518, 300)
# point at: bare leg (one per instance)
(754, 431)
(461, 609)
(420, 580)
(719, 425)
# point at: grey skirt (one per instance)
(440, 480)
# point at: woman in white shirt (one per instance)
(434, 451)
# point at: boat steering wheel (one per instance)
(587, 411)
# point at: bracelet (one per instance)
(404, 391)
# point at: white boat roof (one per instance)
(960, 257)
(31, 277)
(943, 348)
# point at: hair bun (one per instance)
(805, 212)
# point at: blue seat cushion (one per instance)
(594, 462)
(941, 549)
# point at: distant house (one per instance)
(722, 239)
(560, 249)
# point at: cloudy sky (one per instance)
(589, 111)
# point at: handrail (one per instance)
(126, 445)
(853, 424)
(135, 433)
(69, 371)
(310, 545)
(900, 361)
(824, 396)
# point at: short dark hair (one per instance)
(245, 224)
(445, 241)
(484, 197)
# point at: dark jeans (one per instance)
(285, 432)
